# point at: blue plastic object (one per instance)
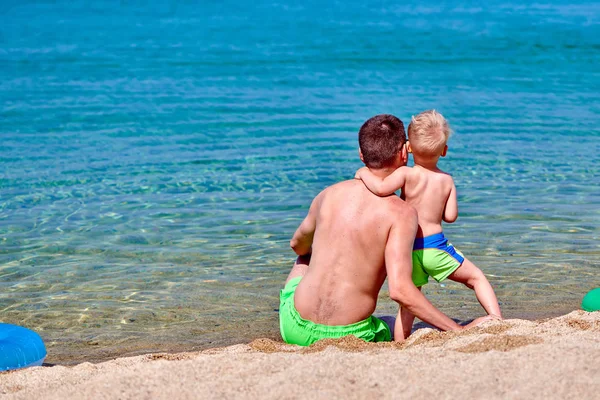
(20, 347)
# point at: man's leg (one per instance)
(300, 267)
(472, 277)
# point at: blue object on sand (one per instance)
(591, 301)
(20, 347)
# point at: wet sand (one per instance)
(552, 358)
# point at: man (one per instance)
(349, 242)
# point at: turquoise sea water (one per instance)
(156, 157)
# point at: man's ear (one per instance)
(360, 155)
(445, 151)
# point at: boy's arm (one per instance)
(303, 237)
(451, 209)
(383, 186)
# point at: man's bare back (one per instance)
(347, 267)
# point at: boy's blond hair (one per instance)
(428, 133)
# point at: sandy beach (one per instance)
(555, 358)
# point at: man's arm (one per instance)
(451, 209)
(383, 186)
(303, 237)
(398, 261)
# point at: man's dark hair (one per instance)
(380, 139)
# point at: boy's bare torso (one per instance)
(347, 267)
(427, 190)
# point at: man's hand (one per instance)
(481, 320)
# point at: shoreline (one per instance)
(552, 358)
(97, 351)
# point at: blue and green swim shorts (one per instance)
(434, 256)
(296, 330)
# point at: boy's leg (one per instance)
(406, 319)
(471, 276)
(404, 324)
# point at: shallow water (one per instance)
(157, 157)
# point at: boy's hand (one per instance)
(358, 173)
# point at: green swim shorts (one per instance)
(434, 256)
(296, 330)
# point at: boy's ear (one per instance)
(404, 153)
(360, 155)
(408, 148)
(445, 151)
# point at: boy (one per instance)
(432, 193)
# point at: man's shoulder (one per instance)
(343, 185)
(332, 190)
(400, 207)
(393, 207)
